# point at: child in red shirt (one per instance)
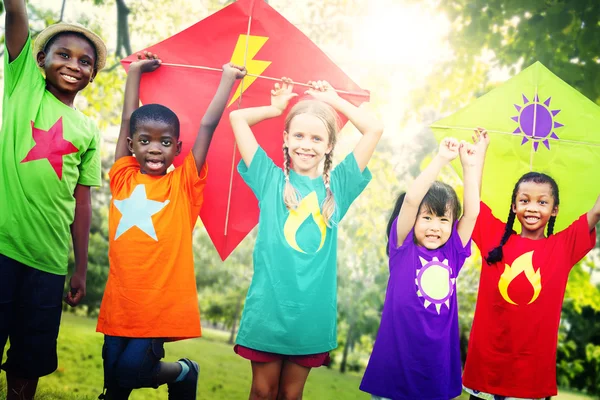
(512, 349)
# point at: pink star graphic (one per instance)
(51, 145)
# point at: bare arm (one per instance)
(131, 100)
(418, 189)
(242, 119)
(17, 27)
(593, 216)
(366, 123)
(471, 177)
(213, 114)
(80, 233)
(481, 139)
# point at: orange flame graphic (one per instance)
(523, 263)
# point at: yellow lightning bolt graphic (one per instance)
(254, 67)
(523, 263)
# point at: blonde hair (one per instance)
(329, 117)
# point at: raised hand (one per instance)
(322, 90)
(449, 149)
(481, 138)
(282, 93)
(467, 154)
(146, 62)
(233, 70)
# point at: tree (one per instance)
(560, 34)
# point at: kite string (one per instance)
(239, 106)
(270, 78)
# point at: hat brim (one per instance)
(55, 29)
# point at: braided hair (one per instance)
(327, 114)
(496, 254)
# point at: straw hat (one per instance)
(55, 29)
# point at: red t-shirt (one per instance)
(512, 349)
(151, 288)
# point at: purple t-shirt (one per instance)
(417, 352)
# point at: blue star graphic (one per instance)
(137, 210)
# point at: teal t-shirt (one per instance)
(46, 149)
(291, 306)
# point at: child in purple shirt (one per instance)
(416, 353)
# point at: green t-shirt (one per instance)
(291, 306)
(46, 149)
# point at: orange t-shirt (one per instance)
(151, 288)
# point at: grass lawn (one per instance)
(223, 374)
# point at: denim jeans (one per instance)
(130, 363)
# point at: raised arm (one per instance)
(213, 114)
(481, 140)
(367, 124)
(471, 166)
(418, 189)
(146, 63)
(593, 216)
(17, 27)
(242, 119)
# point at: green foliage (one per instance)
(560, 34)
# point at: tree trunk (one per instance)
(236, 316)
(347, 347)
(123, 43)
(62, 10)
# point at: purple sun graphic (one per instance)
(536, 121)
(435, 283)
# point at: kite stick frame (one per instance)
(239, 106)
(466, 128)
(359, 94)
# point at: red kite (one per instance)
(250, 33)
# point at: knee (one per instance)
(127, 372)
(263, 391)
(289, 393)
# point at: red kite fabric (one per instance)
(250, 33)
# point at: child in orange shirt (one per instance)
(150, 296)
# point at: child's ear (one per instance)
(93, 75)
(130, 144)
(554, 212)
(41, 59)
(513, 207)
(285, 137)
(329, 149)
(178, 147)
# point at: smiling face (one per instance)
(431, 230)
(69, 65)
(155, 145)
(308, 141)
(534, 205)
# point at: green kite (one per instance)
(537, 122)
